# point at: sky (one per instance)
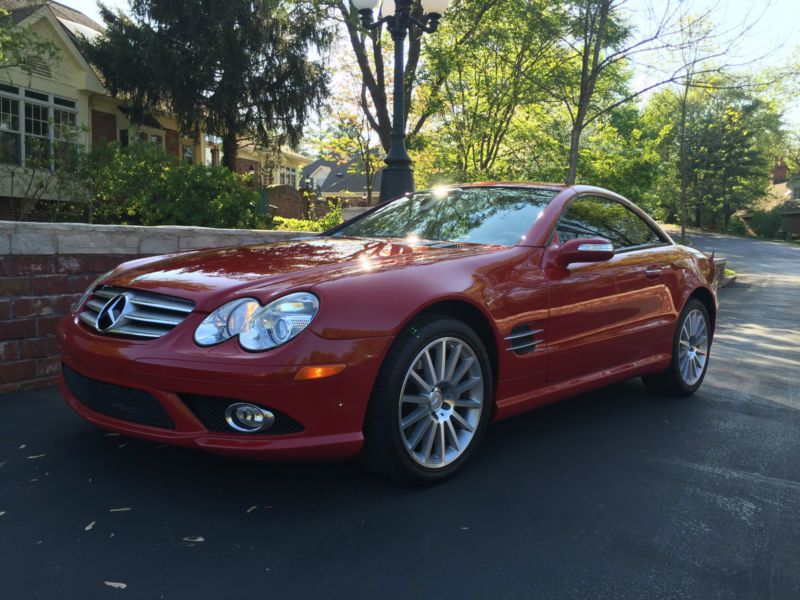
(774, 40)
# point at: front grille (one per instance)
(140, 314)
(211, 412)
(116, 401)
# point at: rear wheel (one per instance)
(431, 403)
(690, 353)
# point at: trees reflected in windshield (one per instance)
(490, 215)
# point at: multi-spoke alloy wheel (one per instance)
(441, 402)
(431, 403)
(693, 347)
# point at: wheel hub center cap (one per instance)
(436, 399)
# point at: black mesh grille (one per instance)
(116, 401)
(211, 412)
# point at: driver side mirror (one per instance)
(584, 250)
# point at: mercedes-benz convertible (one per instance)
(398, 336)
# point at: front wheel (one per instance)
(431, 403)
(690, 352)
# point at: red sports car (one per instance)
(397, 336)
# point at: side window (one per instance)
(638, 230)
(604, 218)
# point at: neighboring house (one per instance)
(70, 92)
(790, 213)
(346, 180)
(793, 184)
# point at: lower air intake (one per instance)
(126, 404)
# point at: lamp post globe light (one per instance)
(398, 177)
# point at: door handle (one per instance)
(652, 272)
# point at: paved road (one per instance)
(612, 495)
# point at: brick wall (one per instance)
(45, 267)
(288, 202)
(104, 127)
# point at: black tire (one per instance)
(384, 451)
(671, 382)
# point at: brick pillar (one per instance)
(172, 143)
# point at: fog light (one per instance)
(248, 418)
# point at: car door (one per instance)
(646, 279)
(598, 310)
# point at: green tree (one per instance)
(375, 68)
(620, 154)
(716, 147)
(239, 69)
(730, 154)
(477, 89)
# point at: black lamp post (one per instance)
(398, 177)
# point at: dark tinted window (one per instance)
(473, 215)
(598, 217)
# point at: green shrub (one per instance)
(766, 223)
(141, 185)
(286, 224)
(333, 217)
(737, 227)
(328, 221)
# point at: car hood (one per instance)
(210, 276)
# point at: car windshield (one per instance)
(479, 215)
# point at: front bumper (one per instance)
(330, 411)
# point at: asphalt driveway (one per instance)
(615, 494)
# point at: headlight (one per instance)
(258, 327)
(89, 290)
(225, 322)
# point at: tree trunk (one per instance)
(574, 147)
(683, 162)
(726, 207)
(229, 149)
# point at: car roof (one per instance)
(517, 184)
(576, 188)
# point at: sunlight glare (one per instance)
(440, 192)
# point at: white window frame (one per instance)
(289, 175)
(51, 106)
(20, 124)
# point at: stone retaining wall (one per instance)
(45, 267)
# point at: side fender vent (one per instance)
(523, 339)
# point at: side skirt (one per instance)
(508, 407)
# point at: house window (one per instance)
(64, 123)
(37, 134)
(153, 138)
(32, 124)
(64, 128)
(188, 155)
(288, 176)
(9, 131)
